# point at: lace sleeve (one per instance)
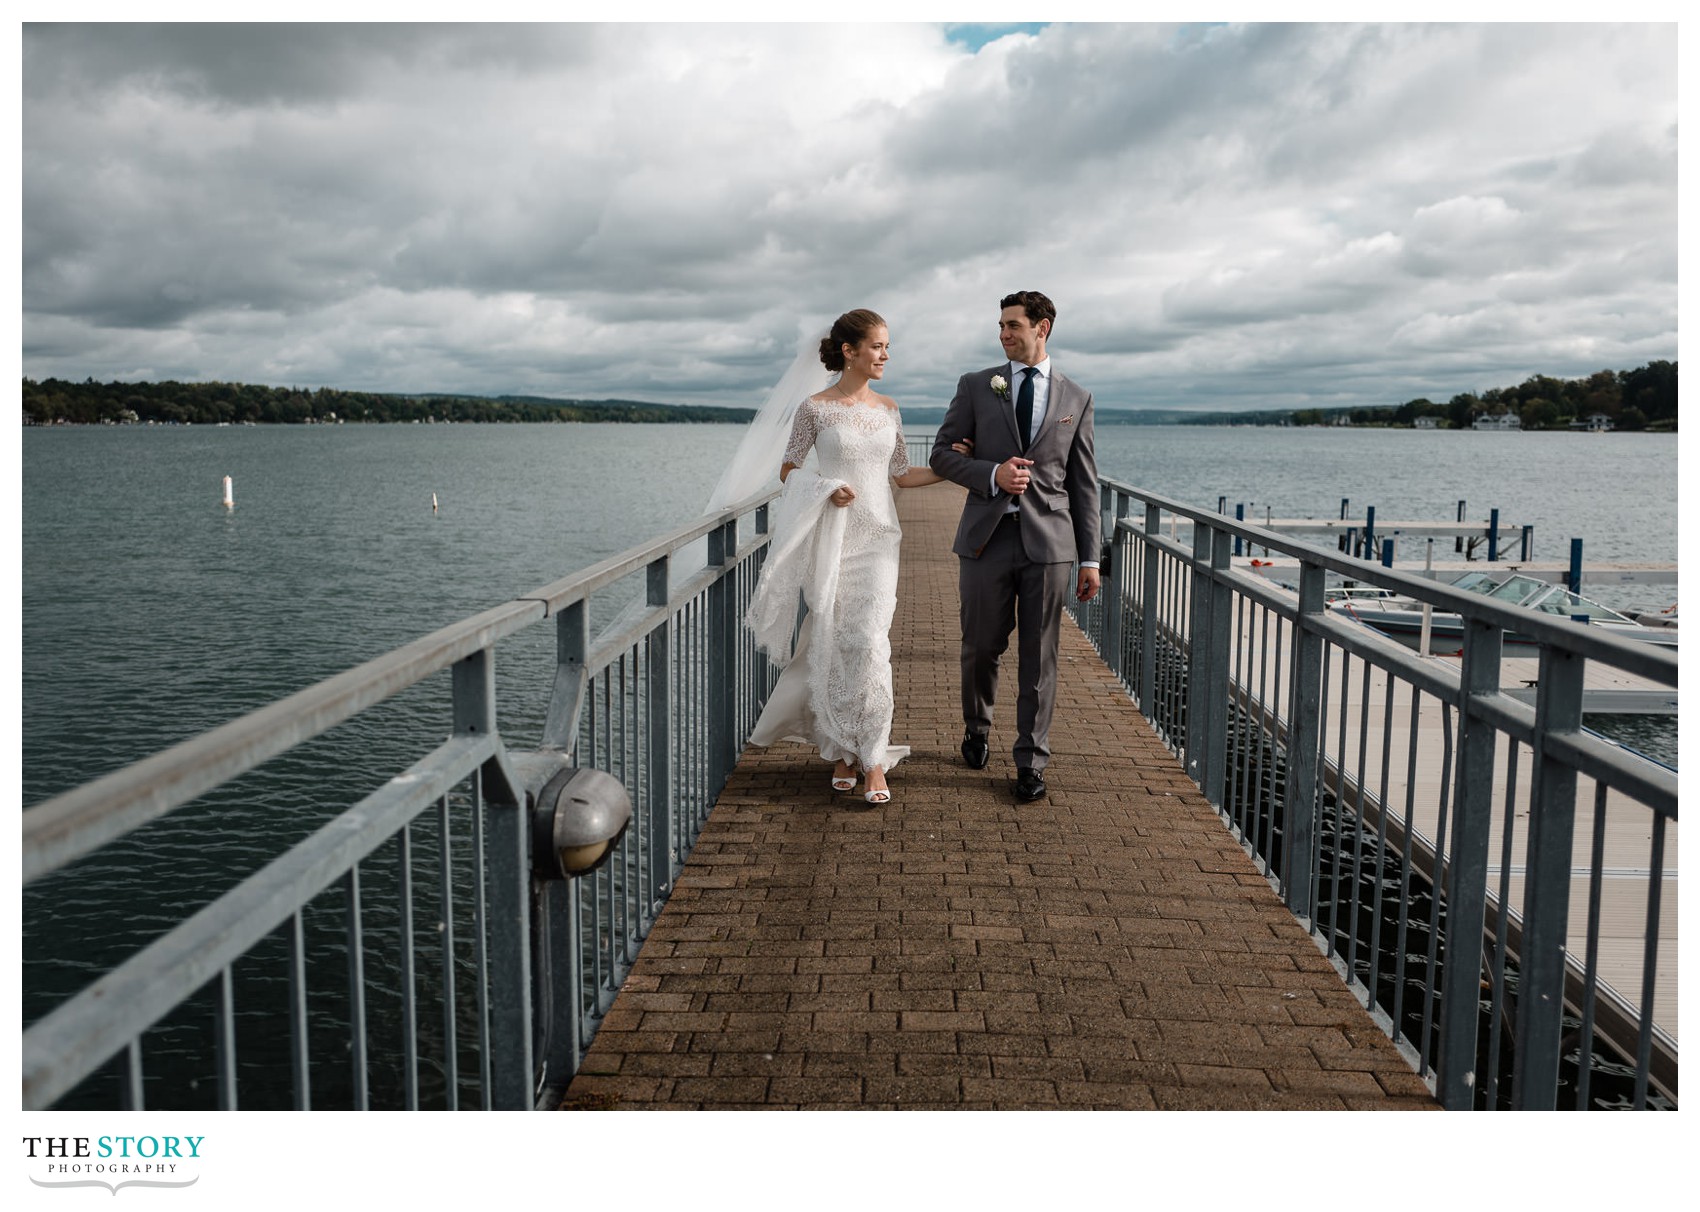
(899, 450)
(802, 434)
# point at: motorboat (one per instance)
(1402, 617)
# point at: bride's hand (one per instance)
(963, 446)
(843, 495)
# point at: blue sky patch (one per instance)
(974, 35)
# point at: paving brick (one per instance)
(1111, 946)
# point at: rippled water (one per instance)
(151, 613)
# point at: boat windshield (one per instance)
(1561, 602)
(1518, 590)
(1475, 582)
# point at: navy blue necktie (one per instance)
(1024, 407)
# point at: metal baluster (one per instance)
(1596, 877)
(1267, 740)
(130, 1078)
(1649, 962)
(1354, 895)
(1200, 686)
(481, 941)
(1436, 894)
(1304, 746)
(224, 1041)
(1401, 943)
(356, 990)
(409, 995)
(446, 906)
(1373, 982)
(298, 1038)
(1502, 926)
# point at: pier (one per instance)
(1111, 946)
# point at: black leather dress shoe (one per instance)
(1029, 786)
(976, 751)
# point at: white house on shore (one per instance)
(1426, 423)
(1505, 420)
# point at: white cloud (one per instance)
(1224, 215)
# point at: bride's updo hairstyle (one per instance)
(851, 328)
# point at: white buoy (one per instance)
(229, 501)
(433, 502)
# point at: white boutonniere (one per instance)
(1000, 386)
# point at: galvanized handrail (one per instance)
(549, 956)
(1236, 673)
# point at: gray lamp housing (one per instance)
(576, 818)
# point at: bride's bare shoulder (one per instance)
(887, 402)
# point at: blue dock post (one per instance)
(1493, 535)
(1344, 502)
(1369, 533)
(1239, 516)
(1387, 550)
(1222, 504)
(1458, 541)
(1528, 542)
(1573, 579)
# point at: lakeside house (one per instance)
(1504, 420)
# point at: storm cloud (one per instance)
(1227, 216)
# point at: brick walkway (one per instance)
(1110, 946)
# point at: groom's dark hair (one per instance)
(1036, 305)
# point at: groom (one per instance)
(1031, 515)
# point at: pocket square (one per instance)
(1068, 420)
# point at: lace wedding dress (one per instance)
(835, 691)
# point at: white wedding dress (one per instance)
(835, 691)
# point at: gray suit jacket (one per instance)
(1059, 520)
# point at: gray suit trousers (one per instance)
(1004, 591)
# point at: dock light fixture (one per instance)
(576, 818)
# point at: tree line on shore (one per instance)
(1643, 398)
(55, 401)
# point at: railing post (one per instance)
(722, 650)
(1196, 644)
(1218, 669)
(1148, 614)
(1546, 893)
(1304, 746)
(566, 700)
(1466, 890)
(508, 897)
(1110, 593)
(658, 668)
(764, 675)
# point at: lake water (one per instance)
(150, 612)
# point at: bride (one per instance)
(836, 540)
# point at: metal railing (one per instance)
(1458, 854)
(663, 700)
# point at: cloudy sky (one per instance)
(1226, 216)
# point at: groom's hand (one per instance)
(1086, 588)
(1012, 476)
